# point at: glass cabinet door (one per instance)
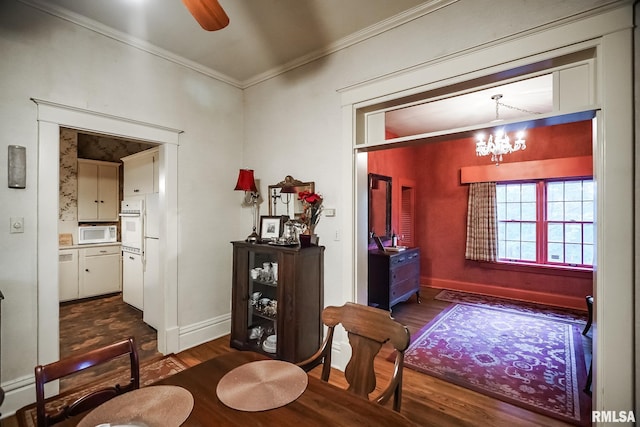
(262, 313)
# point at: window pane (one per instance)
(528, 251)
(501, 249)
(528, 192)
(555, 191)
(587, 233)
(587, 211)
(502, 231)
(587, 251)
(555, 252)
(529, 211)
(573, 190)
(528, 232)
(513, 250)
(501, 191)
(513, 231)
(513, 211)
(587, 190)
(573, 253)
(573, 211)
(555, 232)
(501, 211)
(555, 211)
(513, 193)
(573, 233)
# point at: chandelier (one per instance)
(500, 143)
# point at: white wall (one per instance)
(47, 58)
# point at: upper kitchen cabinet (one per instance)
(98, 188)
(141, 172)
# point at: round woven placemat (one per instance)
(262, 385)
(153, 406)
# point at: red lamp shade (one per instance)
(246, 181)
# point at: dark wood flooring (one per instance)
(93, 323)
(426, 400)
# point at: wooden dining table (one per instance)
(321, 404)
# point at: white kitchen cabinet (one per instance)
(132, 280)
(98, 189)
(141, 173)
(67, 274)
(100, 271)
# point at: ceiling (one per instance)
(263, 37)
(267, 37)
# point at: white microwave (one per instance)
(97, 234)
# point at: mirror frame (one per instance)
(388, 184)
(274, 195)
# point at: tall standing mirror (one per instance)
(380, 205)
(283, 197)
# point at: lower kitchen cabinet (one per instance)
(99, 271)
(132, 280)
(88, 272)
(67, 274)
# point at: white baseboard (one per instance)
(18, 393)
(201, 332)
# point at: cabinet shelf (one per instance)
(261, 282)
(298, 291)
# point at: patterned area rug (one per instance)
(530, 361)
(514, 306)
(150, 372)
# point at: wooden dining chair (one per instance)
(368, 329)
(79, 362)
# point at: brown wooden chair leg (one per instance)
(589, 300)
(587, 388)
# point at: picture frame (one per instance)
(271, 227)
(378, 243)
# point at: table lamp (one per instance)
(247, 184)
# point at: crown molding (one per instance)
(345, 42)
(127, 39)
(352, 39)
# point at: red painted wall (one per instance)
(441, 209)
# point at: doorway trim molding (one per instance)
(610, 34)
(51, 116)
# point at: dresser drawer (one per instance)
(404, 258)
(404, 272)
(404, 288)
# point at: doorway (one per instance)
(82, 316)
(51, 117)
(613, 167)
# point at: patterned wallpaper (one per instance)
(74, 145)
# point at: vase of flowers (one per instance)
(311, 212)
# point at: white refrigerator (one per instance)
(152, 290)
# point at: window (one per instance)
(546, 222)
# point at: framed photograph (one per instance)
(378, 243)
(271, 227)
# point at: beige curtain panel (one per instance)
(482, 228)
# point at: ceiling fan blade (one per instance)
(208, 13)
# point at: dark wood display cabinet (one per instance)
(277, 299)
(393, 277)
